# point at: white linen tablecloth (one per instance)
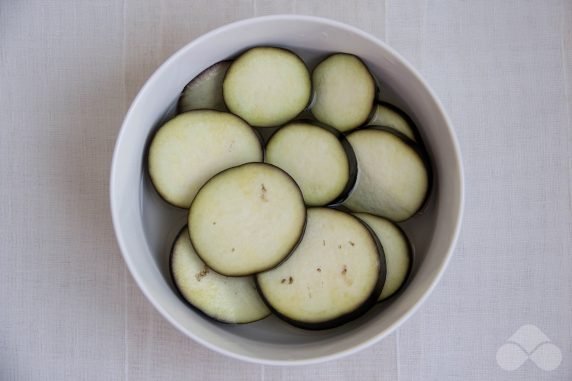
(69, 309)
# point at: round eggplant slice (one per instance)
(315, 157)
(247, 219)
(397, 250)
(393, 179)
(226, 299)
(344, 92)
(192, 147)
(205, 90)
(267, 86)
(392, 117)
(335, 274)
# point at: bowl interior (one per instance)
(146, 226)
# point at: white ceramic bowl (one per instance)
(145, 226)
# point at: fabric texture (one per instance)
(69, 309)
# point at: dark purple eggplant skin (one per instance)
(352, 161)
(346, 318)
(409, 274)
(404, 115)
(353, 171)
(418, 142)
(420, 150)
(179, 110)
(411, 253)
(185, 230)
(294, 246)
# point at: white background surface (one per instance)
(68, 71)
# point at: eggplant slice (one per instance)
(226, 299)
(194, 146)
(205, 90)
(392, 117)
(397, 250)
(393, 177)
(344, 92)
(315, 157)
(335, 274)
(267, 86)
(247, 219)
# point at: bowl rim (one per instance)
(121, 240)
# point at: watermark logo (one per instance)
(529, 343)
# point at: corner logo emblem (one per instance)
(529, 343)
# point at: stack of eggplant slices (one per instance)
(300, 223)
